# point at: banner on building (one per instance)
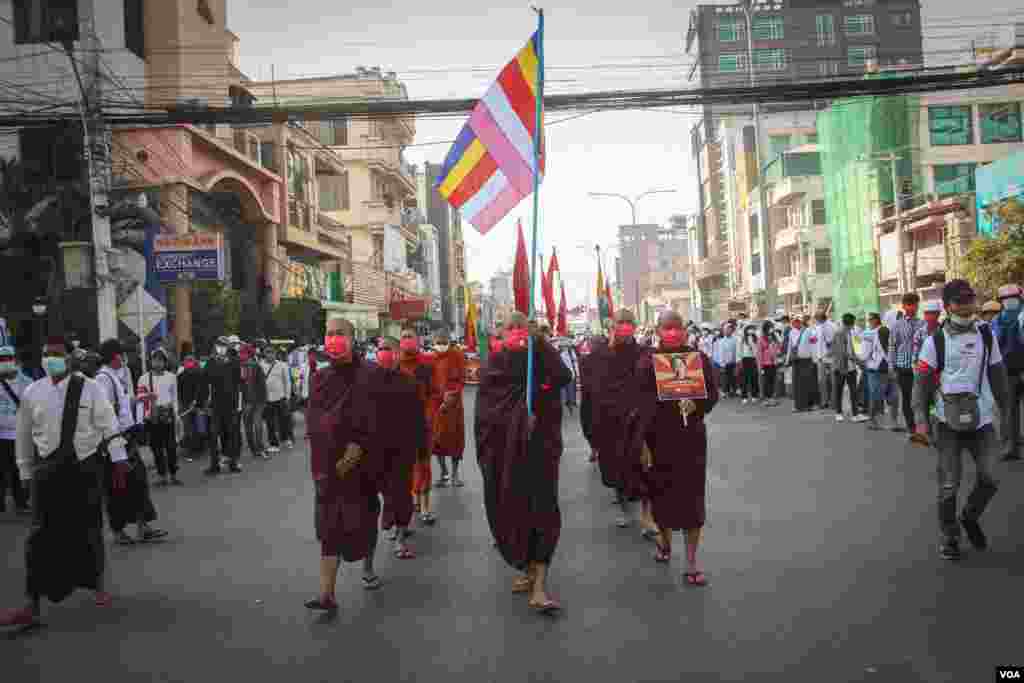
(304, 281)
(394, 250)
(192, 257)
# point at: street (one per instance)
(820, 552)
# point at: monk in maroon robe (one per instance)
(675, 450)
(586, 393)
(449, 432)
(613, 374)
(519, 456)
(355, 451)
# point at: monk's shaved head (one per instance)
(515, 320)
(669, 316)
(340, 326)
(624, 315)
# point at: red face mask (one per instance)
(386, 358)
(673, 338)
(624, 330)
(191, 365)
(517, 340)
(337, 346)
(409, 344)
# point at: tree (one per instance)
(991, 262)
(216, 312)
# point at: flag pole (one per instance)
(536, 201)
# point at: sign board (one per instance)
(152, 312)
(472, 371)
(408, 309)
(185, 258)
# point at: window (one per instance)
(902, 19)
(822, 261)
(950, 126)
(768, 28)
(329, 199)
(267, 156)
(203, 7)
(820, 216)
(953, 179)
(732, 30)
(45, 21)
(859, 25)
(774, 59)
(134, 29)
(858, 57)
(1000, 122)
(334, 132)
(826, 30)
(755, 232)
(777, 144)
(755, 265)
(829, 67)
(732, 63)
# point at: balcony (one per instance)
(931, 259)
(388, 161)
(793, 188)
(788, 284)
(712, 266)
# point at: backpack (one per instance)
(939, 339)
(962, 412)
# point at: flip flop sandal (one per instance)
(322, 605)
(649, 535)
(663, 555)
(442, 483)
(547, 608)
(522, 585)
(622, 523)
(429, 519)
(695, 579)
(404, 554)
(104, 600)
(372, 583)
(459, 483)
(23, 618)
(151, 535)
(124, 539)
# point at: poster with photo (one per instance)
(680, 376)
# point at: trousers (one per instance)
(950, 445)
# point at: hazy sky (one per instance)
(454, 48)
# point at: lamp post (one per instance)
(632, 207)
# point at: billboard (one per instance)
(997, 182)
(189, 257)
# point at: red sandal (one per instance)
(697, 578)
(663, 554)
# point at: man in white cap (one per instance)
(1007, 329)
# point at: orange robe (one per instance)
(449, 433)
(421, 369)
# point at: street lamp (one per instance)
(632, 206)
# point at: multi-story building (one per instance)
(452, 255)
(789, 40)
(502, 294)
(653, 259)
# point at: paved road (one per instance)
(820, 552)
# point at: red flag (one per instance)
(608, 297)
(521, 275)
(563, 322)
(547, 291)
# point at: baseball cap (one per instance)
(958, 292)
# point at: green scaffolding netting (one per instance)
(851, 134)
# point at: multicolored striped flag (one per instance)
(491, 166)
(470, 335)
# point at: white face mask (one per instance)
(441, 348)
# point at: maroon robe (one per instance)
(520, 469)
(677, 481)
(358, 403)
(586, 393)
(613, 378)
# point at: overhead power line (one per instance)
(611, 100)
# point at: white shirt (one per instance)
(165, 386)
(871, 352)
(41, 414)
(825, 332)
(8, 408)
(120, 395)
(963, 366)
(727, 350)
(801, 344)
(279, 386)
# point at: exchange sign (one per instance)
(195, 256)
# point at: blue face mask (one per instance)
(1011, 304)
(55, 366)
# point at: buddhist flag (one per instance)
(602, 298)
(471, 318)
(492, 165)
(549, 290)
(562, 330)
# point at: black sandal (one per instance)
(372, 583)
(322, 605)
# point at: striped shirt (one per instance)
(902, 352)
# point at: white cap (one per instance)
(932, 307)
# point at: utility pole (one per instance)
(767, 266)
(96, 144)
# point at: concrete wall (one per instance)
(187, 56)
